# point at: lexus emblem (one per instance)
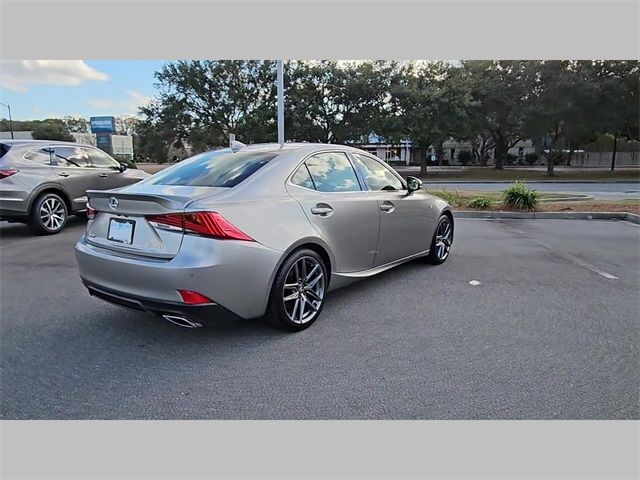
(113, 203)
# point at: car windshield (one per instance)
(222, 168)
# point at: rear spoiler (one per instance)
(136, 203)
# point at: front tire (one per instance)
(48, 215)
(298, 291)
(442, 241)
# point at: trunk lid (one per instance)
(121, 221)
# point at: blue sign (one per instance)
(103, 142)
(103, 124)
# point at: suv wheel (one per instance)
(48, 214)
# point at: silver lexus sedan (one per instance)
(256, 230)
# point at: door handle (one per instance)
(63, 174)
(103, 175)
(322, 210)
(387, 207)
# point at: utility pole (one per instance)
(10, 121)
(280, 81)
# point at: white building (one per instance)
(404, 153)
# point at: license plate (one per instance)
(121, 230)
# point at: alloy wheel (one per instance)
(52, 213)
(304, 290)
(444, 236)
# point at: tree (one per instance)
(561, 106)
(501, 91)
(126, 124)
(205, 101)
(52, 129)
(428, 104)
(334, 103)
(618, 103)
(76, 124)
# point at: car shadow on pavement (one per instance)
(144, 326)
(21, 230)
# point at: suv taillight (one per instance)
(91, 213)
(208, 224)
(7, 173)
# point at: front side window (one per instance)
(332, 172)
(68, 157)
(222, 168)
(100, 159)
(377, 175)
(40, 156)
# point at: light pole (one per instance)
(10, 121)
(280, 82)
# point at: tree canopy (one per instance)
(493, 105)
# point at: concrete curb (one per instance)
(630, 217)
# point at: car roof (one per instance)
(24, 141)
(307, 147)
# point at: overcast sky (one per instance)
(38, 89)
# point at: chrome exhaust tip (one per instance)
(181, 321)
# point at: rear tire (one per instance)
(298, 291)
(48, 215)
(442, 241)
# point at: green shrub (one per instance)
(465, 157)
(520, 196)
(511, 158)
(531, 158)
(480, 202)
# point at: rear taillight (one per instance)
(4, 173)
(209, 224)
(193, 298)
(91, 213)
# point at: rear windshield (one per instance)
(222, 168)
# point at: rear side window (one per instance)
(302, 178)
(40, 156)
(222, 168)
(332, 172)
(68, 157)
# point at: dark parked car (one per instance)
(43, 182)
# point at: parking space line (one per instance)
(570, 257)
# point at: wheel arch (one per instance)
(51, 189)
(315, 244)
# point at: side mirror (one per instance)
(122, 167)
(413, 184)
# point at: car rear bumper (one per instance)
(197, 313)
(236, 275)
(14, 204)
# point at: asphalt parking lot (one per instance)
(548, 333)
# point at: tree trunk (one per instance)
(501, 149)
(551, 160)
(571, 150)
(423, 161)
(615, 148)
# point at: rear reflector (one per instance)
(193, 298)
(7, 173)
(209, 224)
